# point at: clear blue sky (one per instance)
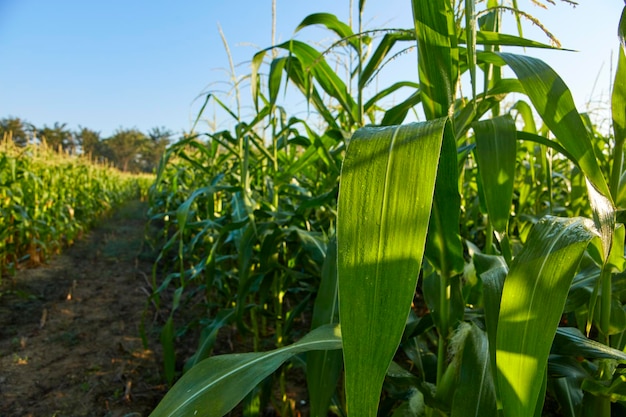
(111, 64)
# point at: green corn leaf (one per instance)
(492, 271)
(542, 140)
(379, 55)
(438, 56)
(554, 103)
(532, 303)
(216, 385)
(485, 37)
(331, 83)
(169, 355)
(618, 107)
(332, 23)
(396, 114)
(385, 92)
(613, 389)
(569, 395)
(276, 69)
(182, 212)
(208, 337)
(571, 341)
(324, 366)
(443, 244)
(475, 395)
(496, 153)
(470, 35)
(381, 231)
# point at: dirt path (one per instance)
(69, 330)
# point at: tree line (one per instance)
(129, 150)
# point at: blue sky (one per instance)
(142, 64)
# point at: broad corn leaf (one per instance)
(533, 298)
(385, 199)
(324, 366)
(443, 244)
(554, 103)
(496, 152)
(437, 55)
(216, 385)
(492, 271)
(475, 395)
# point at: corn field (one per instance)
(48, 199)
(467, 264)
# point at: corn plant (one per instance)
(475, 264)
(48, 199)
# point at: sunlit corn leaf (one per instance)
(217, 384)
(379, 56)
(611, 387)
(381, 231)
(438, 56)
(275, 77)
(475, 395)
(332, 23)
(485, 37)
(532, 302)
(313, 62)
(496, 153)
(324, 366)
(554, 103)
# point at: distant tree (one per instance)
(58, 137)
(126, 147)
(17, 129)
(89, 142)
(160, 138)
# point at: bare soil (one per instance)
(70, 329)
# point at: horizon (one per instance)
(146, 65)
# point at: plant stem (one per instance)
(444, 314)
(605, 302)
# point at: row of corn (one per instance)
(48, 199)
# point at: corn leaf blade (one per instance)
(554, 103)
(324, 366)
(208, 390)
(496, 153)
(532, 302)
(438, 55)
(381, 232)
(475, 395)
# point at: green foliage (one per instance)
(48, 199)
(478, 266)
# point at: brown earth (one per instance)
(70, 329)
